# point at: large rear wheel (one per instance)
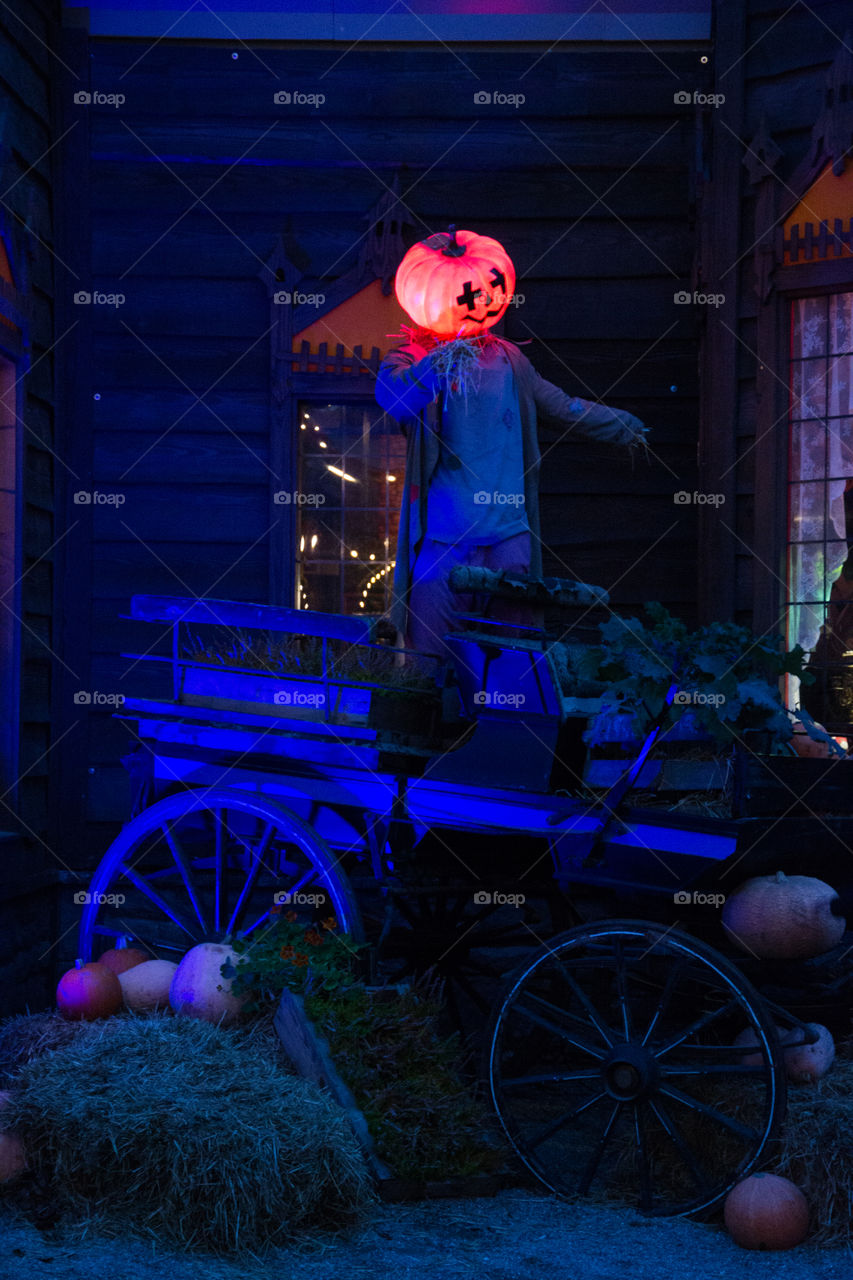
(614, 1069)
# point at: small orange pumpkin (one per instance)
(766, 1212)
(783, 917)
(120, 959)
(87, 992)
(456, 283)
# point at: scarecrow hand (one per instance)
(405, 386)
(635, 431)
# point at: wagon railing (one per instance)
(236, 617)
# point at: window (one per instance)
(820, 559)
(352, 461)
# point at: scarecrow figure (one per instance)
(468, 402)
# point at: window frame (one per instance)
(770, 539)
(331, 392)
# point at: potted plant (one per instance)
(711, 691)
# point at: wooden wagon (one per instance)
(438, 819)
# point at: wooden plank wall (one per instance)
(788, 54)
(28, 863)
(193, 178)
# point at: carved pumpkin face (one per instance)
(456, 283)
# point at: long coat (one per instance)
(413, 402)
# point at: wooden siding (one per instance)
(31, 860)
(787, 55)
(598, 280)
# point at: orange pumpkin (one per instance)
(88, 992)
(766, 1212)
(120, 959)
(783, 917)
(456, 283)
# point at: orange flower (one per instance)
(286, 953)
(330, 923)
(291, 916)
(276, 910)
(300, 960)
(313, 938)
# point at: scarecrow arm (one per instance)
(406, 382)
(597, 421)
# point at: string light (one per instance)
(390, 478)
(336, 471)
(323, 444)
(372, 556)
(354, 555)
(314, 541)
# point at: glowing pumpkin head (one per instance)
(456, 284)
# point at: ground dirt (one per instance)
(518, 1235)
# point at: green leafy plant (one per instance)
(725, 677)
(292, 954)
(405, 1076)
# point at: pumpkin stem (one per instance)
(780, 876)
(78, 964)
(453, 249)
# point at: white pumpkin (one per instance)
(198, 988)
(147, 985)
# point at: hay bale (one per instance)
(816, 1151)
(189, 1132)
(26, 1036)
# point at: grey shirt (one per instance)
(477, 489)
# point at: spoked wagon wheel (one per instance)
(200, 865)
(613, 1068)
